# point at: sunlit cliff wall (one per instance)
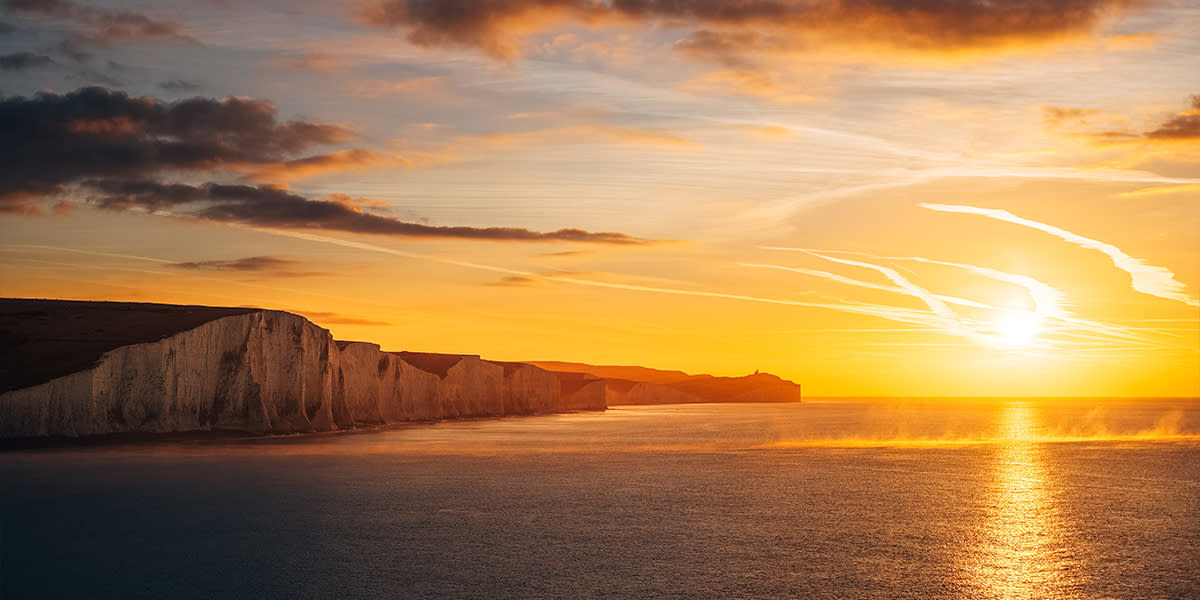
(264, 371)
(274, 372)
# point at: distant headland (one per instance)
(70, 369)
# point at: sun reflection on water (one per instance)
(1022, 553)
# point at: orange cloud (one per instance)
(1101, 129)
(724, 30)
(344, 161)
(1183, 126)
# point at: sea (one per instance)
(839, 498)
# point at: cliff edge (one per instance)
(70, 369)
(91, 368)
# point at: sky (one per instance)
(869, 197)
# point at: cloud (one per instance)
(745, 82)
(1162, 190)
(513, 281)
(1056, 116)
(275, 208)
(311, 61)
(252, 263)
(102, 27)
(74, 50)
(50, 141)
(1183, 126)
(1049, 302)
(111, 149)
(178, 85)
(424, 86)
(583, 134)
(269, 266)
(342, 161)
(1147, 279)
(564, 253)
(724, 30)
(20, 61)
(950, 320)
(1106, 129)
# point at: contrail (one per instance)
(869, 285)
(953, 324)
(884, 312)
(1147, 279)
(1048, 300)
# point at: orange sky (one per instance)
(901, 198)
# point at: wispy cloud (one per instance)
(272, 207)
(273, 266)
(1147, 279)
(891, 313)
(952, 321)
(862, 283)
(1048, 301)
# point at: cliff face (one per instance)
(91, 368)
(271, 372)
(621, 392)
(580, 391)
(530, 390)
(264, 371)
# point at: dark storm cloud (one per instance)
(6, 28)
(263, 206)
(101, 26)
(20, 61)
(49, 140)
(921, 24)
(1183, 126)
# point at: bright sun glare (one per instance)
(1017, 329)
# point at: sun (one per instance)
(1017, 329)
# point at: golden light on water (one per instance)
(1021, 552)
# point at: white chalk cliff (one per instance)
(274, 372)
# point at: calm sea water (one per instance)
(872, 499)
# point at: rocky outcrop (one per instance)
(272, 372)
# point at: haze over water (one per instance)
(845, 499)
